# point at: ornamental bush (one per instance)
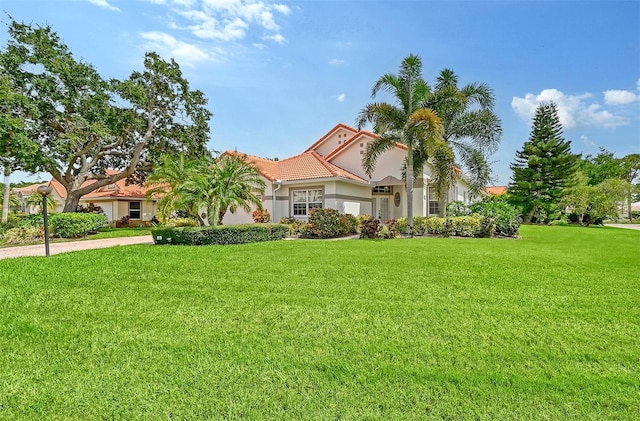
(74, 225)
(23, 234)
(181, 222)
(261, 216)
(328, 223)
(220, 235)
(369, 227)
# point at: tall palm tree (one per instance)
(407, 122)
(471, 128)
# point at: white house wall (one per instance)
(334, 141)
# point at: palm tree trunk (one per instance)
(409, 189)
(7, 192)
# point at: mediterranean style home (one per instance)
(117, 200)
(329, 174)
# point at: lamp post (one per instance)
(44, 192)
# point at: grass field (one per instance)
(546, 327)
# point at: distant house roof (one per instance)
(496, 190)
(119, 189)
(307, 165)
(27, 190)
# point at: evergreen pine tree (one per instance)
(543, 168)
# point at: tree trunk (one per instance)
(629, 201)
(442, 204)
(72, 202)
(529, 216)
(7, 192)
(409, 189)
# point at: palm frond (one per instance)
(482, 127)
(375, 149)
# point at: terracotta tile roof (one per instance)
(496, 190)
(329, 133)
(118, 189)
(307, 165)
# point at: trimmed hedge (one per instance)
(221, 234)
(74, 225)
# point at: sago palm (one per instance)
(407, 122)
(167, 182)
(236, 185)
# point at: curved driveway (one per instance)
(57, 248)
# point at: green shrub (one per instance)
(181, 222)
(506, 217)
(402, 224)
(74, 225)
(467, 226)
(328, 223)
(23, 234)
(419, 225)
(457, 208)
(221, 235)
(295, 225)
(434, 225)
(562, 221)
(487, 227)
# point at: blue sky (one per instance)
(279, 75)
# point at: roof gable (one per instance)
(334, 138)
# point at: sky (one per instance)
(279, 75)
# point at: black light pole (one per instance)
(44, 192)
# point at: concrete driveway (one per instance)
(627, 226)
(57, 248)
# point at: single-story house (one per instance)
(117, 200)
(329, 174)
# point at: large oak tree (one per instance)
(86, 124)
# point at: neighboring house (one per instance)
(495, 190)
(329, 174)
(23, 194)
(117, 200)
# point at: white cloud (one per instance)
(336, 61)
(616, 97)
(588, 141)
(227, 20)
(281, 8)
(277, 38)
(103, 3)
(573, 110)
(167, 45)
(341, 97)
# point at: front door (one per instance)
(381, 207)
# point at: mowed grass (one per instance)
(546, 327)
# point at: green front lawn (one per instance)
(546, 327)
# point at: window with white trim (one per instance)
(305, 200)
(135, 210)
(434, 203)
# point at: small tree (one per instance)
(593, 203)
(543, 168)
